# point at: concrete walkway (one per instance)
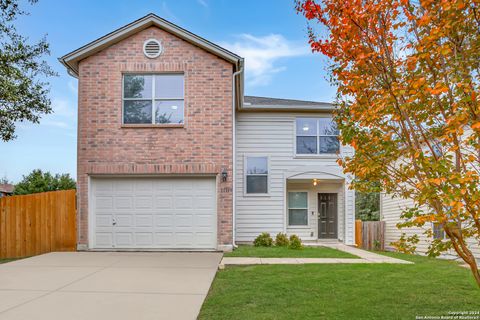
(365, 257)
(106, 285)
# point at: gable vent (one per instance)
(152, 48)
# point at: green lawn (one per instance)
(283, 252)
(340, 291)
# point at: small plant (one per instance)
(263, 240)
(281, 240)
(295, 242)
(406, 244)
(376, 245)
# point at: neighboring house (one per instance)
(6, 189)
(390, 211)
(172, 155)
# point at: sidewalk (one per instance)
(365, 257)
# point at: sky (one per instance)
(269, 34)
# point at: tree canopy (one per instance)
(23, 89)
(367, 206)
(39, 181)
(408, 79)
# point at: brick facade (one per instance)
(202, 146)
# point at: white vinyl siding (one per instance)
(391, 209)
(272, 134)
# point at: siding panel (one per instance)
(272, 134)
(391, 209)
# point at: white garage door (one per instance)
(150, 213)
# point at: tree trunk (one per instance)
(475, 271)
(468, 257)
(458, 242)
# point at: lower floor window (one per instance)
(297, 208)
(438, 232)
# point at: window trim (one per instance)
(317, 136)
(298, 226)
(245, 163)
(153, 99)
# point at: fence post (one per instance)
(358, 233)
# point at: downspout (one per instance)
(235, 74)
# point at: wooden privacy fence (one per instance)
(370, 235)
(37, 223)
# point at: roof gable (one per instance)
(72, 59)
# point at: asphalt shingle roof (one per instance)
(7, 188)
(267, 102)
(276, 101)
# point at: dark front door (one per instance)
(327, 216)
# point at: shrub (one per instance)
(295, 242)
(281, 240)
(406, 244)
(263, 240)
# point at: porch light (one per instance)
(315, 182)
(224, 174)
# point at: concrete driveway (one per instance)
(106, 285)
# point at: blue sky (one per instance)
(268, 34)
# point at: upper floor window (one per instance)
(153, 99)
(256, 170)
(316, 136)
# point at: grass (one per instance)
(283, 252)
(7, 260)
(430, 287)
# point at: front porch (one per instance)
(315, 209)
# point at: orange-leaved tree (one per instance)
(408, 78)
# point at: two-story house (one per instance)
(172, 155)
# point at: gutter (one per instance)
(70, 70)
(234, 153)
(277, 108)
(71, 73)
